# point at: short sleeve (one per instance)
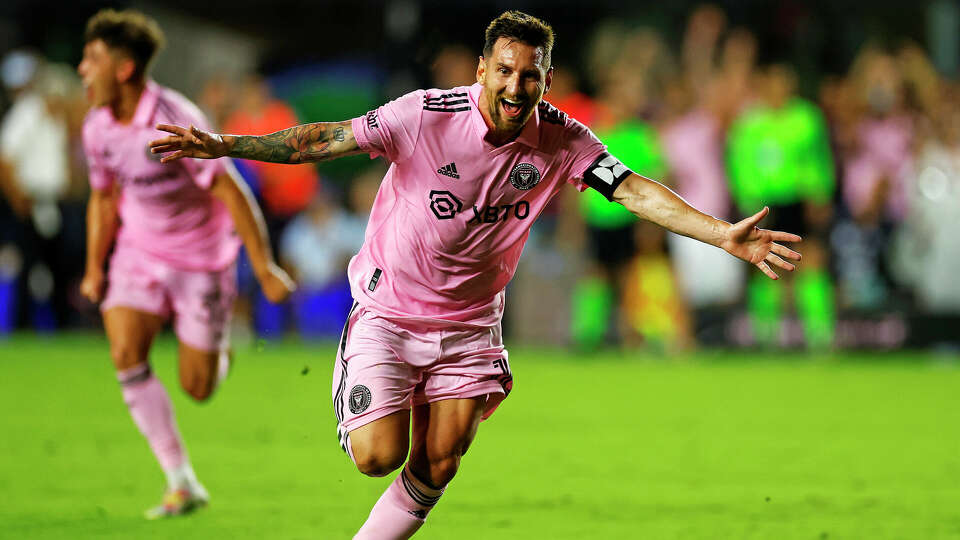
(100, 177)
(591, 165)
(391, 130)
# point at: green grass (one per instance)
(735, 445)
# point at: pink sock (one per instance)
(152, 411)
(401, 510)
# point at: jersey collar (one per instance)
(147, 104)
(529, 135)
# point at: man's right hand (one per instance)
(91, 287)
(275, 283)
(189, 142)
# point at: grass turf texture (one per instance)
(720, 445)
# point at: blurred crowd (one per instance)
(867, 170)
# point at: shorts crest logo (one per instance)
(444, 204)
(359, 399)
(524, 176)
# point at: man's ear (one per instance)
(481, 70)
(126, 67)
(548, 80)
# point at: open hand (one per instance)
(190, 142)
(758, 246)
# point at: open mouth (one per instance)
(511, 108)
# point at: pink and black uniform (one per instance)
(176, 245)
(446, 231)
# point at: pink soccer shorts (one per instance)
(388, 365)
(200, 302)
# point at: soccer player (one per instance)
(173, 229)
(471, 169)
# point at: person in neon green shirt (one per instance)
(610, 226)
(778, 152)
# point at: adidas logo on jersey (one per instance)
(449, 170)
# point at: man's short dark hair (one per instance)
(129, 31)
(519, 26)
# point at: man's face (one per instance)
(515, 77)
(101, 72)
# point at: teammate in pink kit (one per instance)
(471, 169)
(173, 229)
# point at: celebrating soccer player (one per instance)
(471, 169)
(173, 224)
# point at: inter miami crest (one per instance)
(359, 399)
(524, 176)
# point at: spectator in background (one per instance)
(692, 131)
(316, 246)
(701, 41)
(285, 189)
(732, 89)
(318, 243)
(779, 152)
(33, 178)
(610, 227)
(693, 147)
(927, 247)
(876, 172)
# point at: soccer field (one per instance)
(719, 445)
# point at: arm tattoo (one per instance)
(299, 144)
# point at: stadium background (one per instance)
(646, 406)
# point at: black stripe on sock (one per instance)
(418, 496)
(139, 377)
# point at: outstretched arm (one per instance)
(656, 203)
(320, 141)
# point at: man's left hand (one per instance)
(759, 246)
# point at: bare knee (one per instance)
(380, 447)
(379, 462)
(197, 385)
(198, 372)
(126, 355)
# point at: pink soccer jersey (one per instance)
(166, 209)
(453, 212)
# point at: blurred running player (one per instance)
(471, 169)
(173, 225)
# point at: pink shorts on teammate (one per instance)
(200, 302)
(388, 365)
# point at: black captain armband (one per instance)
(605, 174)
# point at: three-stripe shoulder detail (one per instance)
(452, 102)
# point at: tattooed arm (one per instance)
(320, 141)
